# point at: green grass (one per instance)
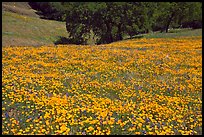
(24, 30)
(175, 33)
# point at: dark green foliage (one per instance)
(49, 10)
(111, 21)
(179, 15)
(107, 22)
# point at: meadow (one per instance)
(141, 86)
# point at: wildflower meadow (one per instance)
(140, 86)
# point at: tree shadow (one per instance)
(37, 11)
(65, 40)
(41, 15)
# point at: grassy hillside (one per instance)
(22, 8)
(176, 33)
(28, 30)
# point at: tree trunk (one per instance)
(109, 37)
(119, 33)
(169, 22)
(147, 31)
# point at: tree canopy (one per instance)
(112, 21)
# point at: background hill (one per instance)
(22, 8)
(22, 26)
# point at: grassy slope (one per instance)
(22, 8)
(26, 30)
(176, 33)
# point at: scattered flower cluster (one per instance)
(142, 86)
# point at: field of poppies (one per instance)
(141, 86)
